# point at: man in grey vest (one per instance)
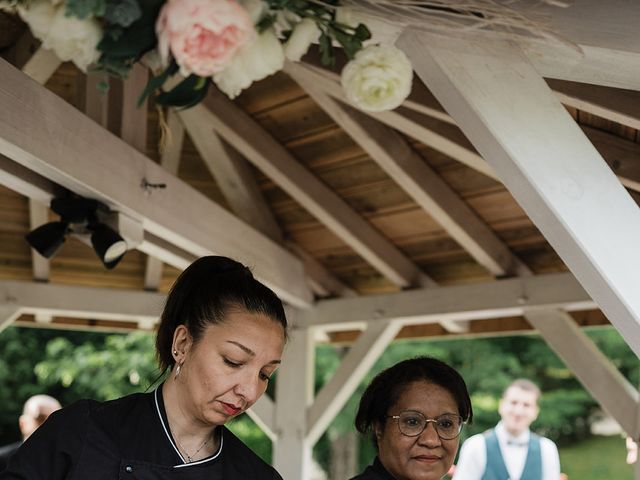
(510, 451)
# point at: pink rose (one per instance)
(203, 35)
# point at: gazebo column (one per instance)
(294, 393)
(515, 121)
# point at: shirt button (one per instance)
(128, 469)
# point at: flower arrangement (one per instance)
(229, 43)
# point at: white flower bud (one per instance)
(304, 34)
(378, 78)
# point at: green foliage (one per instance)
(85, 8)
(596, 458)
(488, 366)
(121, 365)
(129, 34)
(122, 12)
(20, 350)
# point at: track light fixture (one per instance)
(80, 216)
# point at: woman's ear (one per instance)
(378, 430)
(181, 344)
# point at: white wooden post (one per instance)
(518, 125)
(294, 392)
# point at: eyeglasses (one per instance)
(412, 424)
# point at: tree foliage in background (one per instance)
(74, 365)
(488, 365)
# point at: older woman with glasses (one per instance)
(414, 412)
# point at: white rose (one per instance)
(74, 39)
(254, 61)
(38, 15)
(378, 78)
(304, 34)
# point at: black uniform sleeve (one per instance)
(52, 451)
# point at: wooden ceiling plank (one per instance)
(257, 146)
(421, 182)
(134, 116)
(404, 123)
(324, 283)
(353, 367)
(43, 133)
(39, 215)
(231, 172)
(620, 154)
(237, 182)
(495, 299)
(546, 162)
(96, 97)
(594, 370)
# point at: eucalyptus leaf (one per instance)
(122, 12)
(84, 8)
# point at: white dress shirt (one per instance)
(473, 456)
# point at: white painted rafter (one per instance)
(231, 172)
(545, 161)
(47, 135)
(257, 146)
(361, 356)
(396, 157)
(46, 299)
(495, 299)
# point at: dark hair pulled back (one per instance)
(385, 390)
(204, 293)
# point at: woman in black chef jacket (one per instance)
(220, 338)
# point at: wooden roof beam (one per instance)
(495, 299)
(256, 145)
(618, 105)
(48, 299)
(604, 33)
(45, 134)
(392, 153)
(544, 159)
(237, 182)
(444, 138)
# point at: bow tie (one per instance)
(515, 443)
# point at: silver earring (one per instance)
(178, 368)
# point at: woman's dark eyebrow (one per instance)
(248, 351)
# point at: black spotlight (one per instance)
(109, 246)
(48, 238)
(80, 216)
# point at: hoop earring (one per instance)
(178, 368)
